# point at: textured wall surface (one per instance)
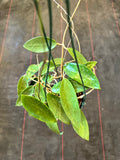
(39, 142)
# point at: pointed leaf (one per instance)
(83, 130)
(89, 79)
(26, 91)
(37, 109)
(69, 102)
(53, 127)
(18, 102)
(91, 64)
(38, 44)
(22, 84)
(81, 59)
(56, 108)
(40, 92)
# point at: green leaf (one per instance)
(81, 59)
(26, 91)
(56, 108)
(91, 64)
(38, 44)
(41, 92)
(77, 86)
(83, 130)
(37, 109)
(18, 102)
(32, 69)
(54, 127)
(89, 79)
(56, 87)
(52, 67)
(22, 84)
(69, 102)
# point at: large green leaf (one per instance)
(54, 127)
(38, 44)
(27, 91)
(89, 79)
(56, 108)
(69, 102)
(32, 69)
(81, 59)
(39, 91)
(52, 67)
(83, 129)
(22, 84)
(37, 109)
(91, 64)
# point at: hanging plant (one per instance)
(55, 89)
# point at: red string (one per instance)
(5, 31)
(25, 110)
(23, 134)
(62, 142)
(115, 18)
(62, 126)
(98, 96)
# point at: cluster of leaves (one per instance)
(59, 101)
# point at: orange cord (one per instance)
(115, 18)
(1, 54)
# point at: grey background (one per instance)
(39, 142)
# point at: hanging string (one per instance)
(25, 110)
(3, 43)
(72, 43)
(115, 17)
(98, 95)
(50, 32)
(44, 33)
(62, 125)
